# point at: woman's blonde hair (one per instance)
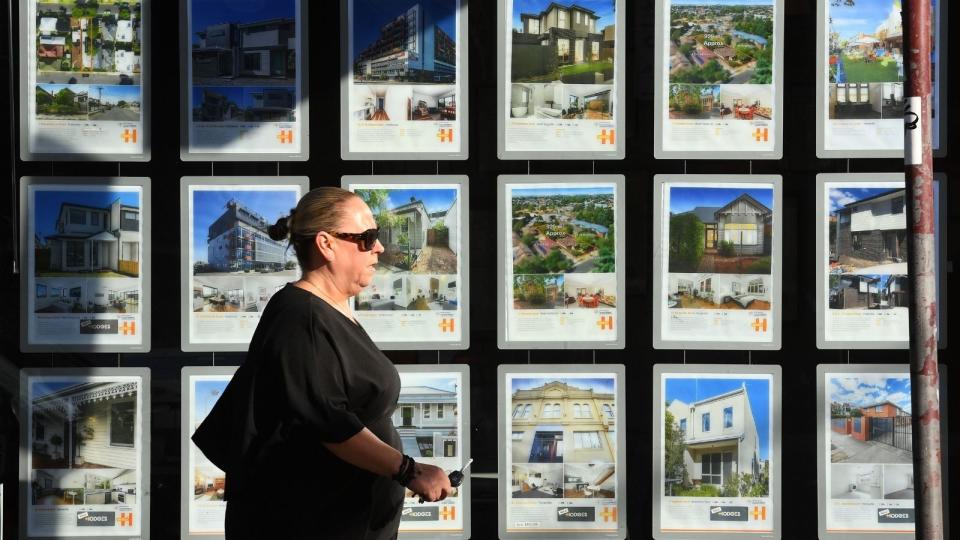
(321, 209)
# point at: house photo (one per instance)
(717, 437)
(589, 481)
(869, 291)
(720, 230)
(719, 291)
(432, 292)
(60, 295)
(78, 487)
(590, 291)
(561, 101)
(244, 104)
(870, 419)
(426, 416)
(573, 43)
(538, 291)
(697, 102)
(870, 236)
(536, 481)
(87, 102)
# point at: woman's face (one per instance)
(354, 268)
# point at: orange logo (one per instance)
(604, 137)
(285, 136)
(125, 519)
(448, 512)
(129, 328)
(445, 135)
(609, 514)
(605, 322)
(129, 136)
(760, 134)
(446, 325)
(760, 513)
(759, 325)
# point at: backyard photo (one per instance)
(716, 437)
(417, 292)
(209, 482)
(723, 230)
(870, 420)
(866, 41)
(573, 43)
(538, 291)
(563, 229)
(718, 41)
(718, 291)
(560, 101)
(419, 229)
(87, 102)
(406, 42)
(66, 487)
(721, 102)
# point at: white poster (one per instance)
(84, 265)
(561, 260)
(719, 79)
(204, 490)
(561, 79)
(83, 80)
(84, 456)
(405, 77)
(244, 77)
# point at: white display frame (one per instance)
(460, 127)
(300, 131)
(773, 373)
(661, 216)
(462, 371)
(505, 185)
(142, 376)
(616, 372)
(426, 182)
(504, 50)
(27, 274)
(941, 264)
(189, 185)
(661, 119)
(938, 94)
(28, 77)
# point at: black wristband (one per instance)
(407, 470)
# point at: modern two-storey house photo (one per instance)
(869, 234)
(235, 53)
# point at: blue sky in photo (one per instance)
(864, 16)
(840, 197)
(605, 9)
(436, 200)
(723, 3)
(205, 13)
(233, 93)
(758, 391)
(47, 205)
(205, 395)
(683, 199)
(41, 389)
(604, 385)
(370, 15)
(547, 192)
(448, 384)
(210, 205)
(105, 92)
(863, 389)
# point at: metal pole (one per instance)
(924, 378)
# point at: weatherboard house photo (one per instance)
(426, 419)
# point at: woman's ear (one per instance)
(325, 245)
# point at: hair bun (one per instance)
(280, 230)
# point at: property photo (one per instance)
(427, 416)
(82, 424)
(221, 294)
(93, 233)
(419, 228)
(407, 42)
(746, 101)
(60, 295)
(208, 481)
(538, 291)
(113, 296)
(229, 233)
(870, 420)
(386, 292)
(87, 102)
(865, 101)
(536, 481)
(716, 438)
(561, 101)
(868, 230)
(89, 42)
(590, 291)
(589, 481)
(569, 42)
(721, 41)
(244, 104)
(83, 487)
(720, 230)
(898, 482)
(856, 481)
(432, 292)
(718, 291)
(869, 291)
(243, 44)
(392, 103)
(697, 102)
(563, 230)
(563, 420)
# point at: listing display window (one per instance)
(720, 476)
(405, 78)
(85, 460)
(562, 251)
(244, 80)
(718, 267)
(560, 79)
(232, 265)
(719, 79)
(861, 73)
(417, 298)
(88, 273)
(83, 85)
(560, 472)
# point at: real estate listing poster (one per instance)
(561, 269)
(560, 79)
(863, 292)
(85, 249)
(719, 68)
(244, 80)
(717, 261)
(861, 78)
(418, 298)
(202, 484)
(231, 266)
(433, 420)
(83, 80)
(716, 450)
(562, 467)
(403, 79)
(85, 453)
(865, 451)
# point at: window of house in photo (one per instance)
(562, 19)
(586, 440)
(728, 417)
(426, 410)
(527, 411)
(517, 411)
(683, 426)
(563, 49)
(576, 17)
(75, 253)
(516, 436)
(576, 410)
(879, 408)
(856, 241)
(439, 410)
(78, 217)
(130, 251)
(896, 205)
(607, 410)
(534, 26)
(756, 287)
(705, 421)
(845, 217)
(251, 61)
(123, 417)
(594, 47)
(95, 219)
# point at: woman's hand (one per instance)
(430, 483)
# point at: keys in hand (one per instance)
(456, 477)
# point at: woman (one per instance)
(303, 430)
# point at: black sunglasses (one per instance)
(367, 239)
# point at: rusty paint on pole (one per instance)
(924, 377)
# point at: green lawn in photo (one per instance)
(858, 70)
(586, 67)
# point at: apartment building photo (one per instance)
(238, 241)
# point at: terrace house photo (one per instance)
(426, 419)
(559, 35)
(95, 239)
(421, 240)
(873, 230)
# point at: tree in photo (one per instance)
(674, 447)
(687, 234)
